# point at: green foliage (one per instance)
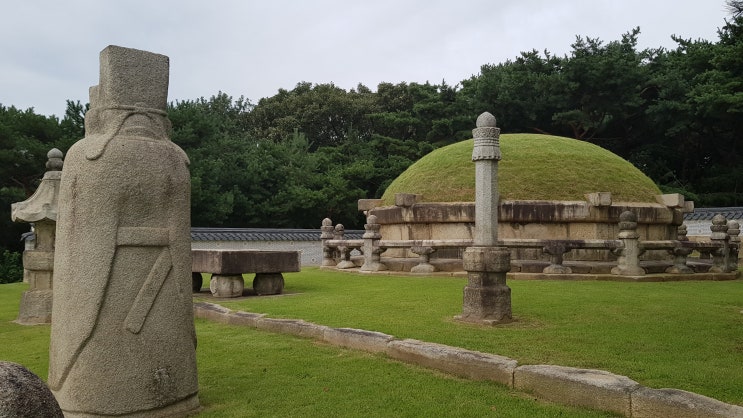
(311, 152)
(11, 267)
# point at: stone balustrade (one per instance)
(722, 248)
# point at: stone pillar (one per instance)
(326, 234)
(38, 263)
(628, 263)
(719, 235)
(123, 341)
(487, 298)
(372, 251)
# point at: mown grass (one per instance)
(534, 167)
(686, 335)
(249, 373)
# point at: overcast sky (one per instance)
(251, 48)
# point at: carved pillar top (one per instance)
(486, 135)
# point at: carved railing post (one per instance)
(556, 251)
(628, 263)
(372, 250)
(721, 254)
(424, 260)
(326, 234)
(345, 256)
(734, 242)
(338, 234)
(680, 253)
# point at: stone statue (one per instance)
(122, 338)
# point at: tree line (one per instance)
(304, 154)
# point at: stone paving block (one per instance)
(359, 339)
(295, 327)
(652, 403)
(595, 389)
(457, 361)
(211, 312)
(245, 319)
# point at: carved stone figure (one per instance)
(122, 338)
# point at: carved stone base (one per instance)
(196, 282)
(227, 286)
(487, 298)
(35, 308)
(268, 283)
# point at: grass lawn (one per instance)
(685, 335)
(249, 373)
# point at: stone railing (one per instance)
(722, 248)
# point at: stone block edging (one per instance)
(596, 389)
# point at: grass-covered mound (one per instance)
(534, 167)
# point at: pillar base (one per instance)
(35, 308)
(487, 298)
(227, 286)
(268, 283)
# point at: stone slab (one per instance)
(457, 361)
(586, 388)
(359, 339)
(296, 327)
(651, 403)
(245, 261)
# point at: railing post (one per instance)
(680, 253)
(372, 251)
(721, 254)
(628, 263)
(734, 242)
(424, 260)
(338, 234)
(326, 234)
(345, 255)
(556, 250)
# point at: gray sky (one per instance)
(253, 48)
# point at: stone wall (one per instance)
(595, 218)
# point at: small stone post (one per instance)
(628, 263)
(38, 263)
(719, 235)
(326, 234)
(734, 243)
(372, 251)
(680, 254)
(487, 298)
(424, 265)
(556, 251)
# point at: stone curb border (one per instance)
(595, 389)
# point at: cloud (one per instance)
(252, 49)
